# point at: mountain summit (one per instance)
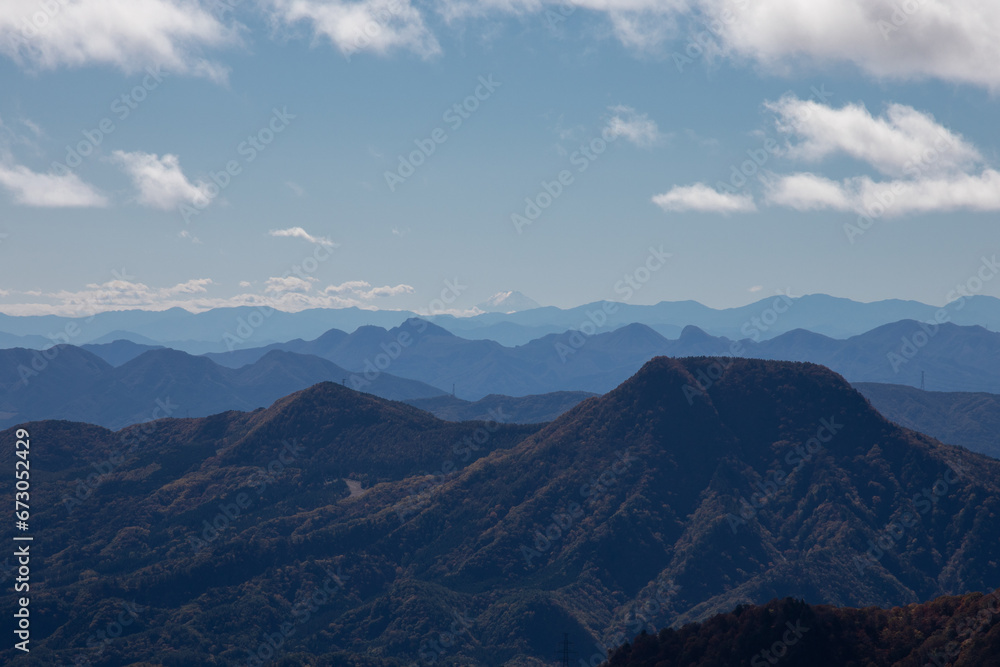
(508, 302)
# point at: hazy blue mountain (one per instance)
(970, 420)
(228, 329)
(214, 330)
(80, 386)
(119, 351)
(954, 358)
(831, 316)
(128, 336)
(29, 341)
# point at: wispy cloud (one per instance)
(299, 233)
(701, 198)
(380, 26)
(51, 190)
(892, 143)
(128, 34)
(930, 168)
(634, 127)
(364, 290)
(956, 41)
(968, 192)
(160, 181)
(286, 293)
(288, 284)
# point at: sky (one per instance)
(403, 154)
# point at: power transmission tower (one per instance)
(565, 653)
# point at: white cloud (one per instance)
(894, 198)
(894, 143)
(296, 188)
(364, 290)
(289, 294)
(185, 234)
(930, 168)
(288, 284)
(380, 26)
(299, 233)
(35, 128)
(702, 198)
(755, 288)
(128, 34)
(160, 181)
(634, 127)
(48, 190)
(808, 192)
(117, 294)
(951, 40)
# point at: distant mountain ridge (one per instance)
(76, 385)
(970, 420)
(226, 329)
(952, 358)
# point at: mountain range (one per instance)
(227, 329)
(117, 383)
(950, 358)
(71, 383)
(696, 486)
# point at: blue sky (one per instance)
(842, 103)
